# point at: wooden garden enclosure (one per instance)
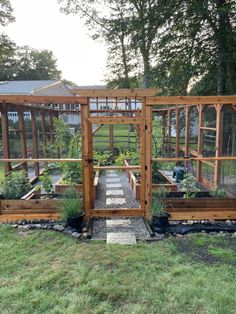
(142, 119)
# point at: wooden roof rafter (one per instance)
(113, 93)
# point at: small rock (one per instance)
(85, 235)
(233, 235)
(228, 222)
(59, 228)
(84, 229)
(45, 226)
(160, 236)
(24, 227)
(38, 226)
(68, 230)
(190, 222)
(14, 226)
(76, 235)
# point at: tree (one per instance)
(6, 10)
(32, 64)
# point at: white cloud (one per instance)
(40, 24)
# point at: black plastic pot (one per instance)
(76, 222)
(161, 221)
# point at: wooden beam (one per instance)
(35, 141)
(117, 212)
(5, 136)
(177, 132)
(200, 141)
(44, 136)
(115, 120)
(87, 158)
(97, 128)
(187, 130)
(169, 133)
(111, 138)
(22, 136)
(190, 100)
(93, 93)
(40, 160)
(219, 143)
(51, 128)
(22, 99)
(127, 168)
(148, 163)
(164, 132)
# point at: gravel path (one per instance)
(113, 181)
(136, 226)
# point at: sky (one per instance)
(39, 24)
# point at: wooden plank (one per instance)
(187, 130)
(190, 100)
(207, 128)
(51, 128)
(17, 217)
(148, 164)
(200, 141)
(35, 142)
(5, 136)
(93, 93)
(22, 136)
(194, 158)
(21, 160)
(177, 132)
(23, 99)
(164, 116)
(169, 133)
(87, 159)
(111, 138)
(115, 120)
(127, 168)
(218, 143)
(44, 136)
(195, 215)
(97, 128)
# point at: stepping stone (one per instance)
(112, 180)
(115, 192)
(121, 238)
(113, 185)
(112, 175)
(115, 201)
(118, 223)
(111, 171)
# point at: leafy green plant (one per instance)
(189, 186)
(160, 193)
(72, 173)
(71, 204)
(218, 193)
(158, 208)
(103, 159)
(46, 179)
(15, 185)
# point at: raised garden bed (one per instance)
(201, 208)
(135, 184)
(61, 188)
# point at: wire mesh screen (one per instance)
(228, 176)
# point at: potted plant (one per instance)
(71, 208)
(159, 215)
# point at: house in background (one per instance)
(39, 88)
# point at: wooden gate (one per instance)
(141, 120)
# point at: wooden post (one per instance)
(51, 128)
(219, 142)
(177, 132)
(163, 132)
(87, 159)
(148, 163)
(200, 141)
(111, 137)
(5, 137)
(35, 141)
(22, 136)
(44, 136)
(169, 133)
(187, 129)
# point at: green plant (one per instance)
(71, 172)
(189, 186)
(218, 193)
(160, 193)
(158, 208)
(15, 185)
(46, 179)
(102, 159)
(71, 204)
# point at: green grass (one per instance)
(48, 272)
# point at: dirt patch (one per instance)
(200, 253)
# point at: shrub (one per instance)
(218, 193)
(158, 208)
(15, 185)
(47, 182)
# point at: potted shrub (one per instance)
(71, 208)
(159, 215)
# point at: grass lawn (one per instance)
(48, 272)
